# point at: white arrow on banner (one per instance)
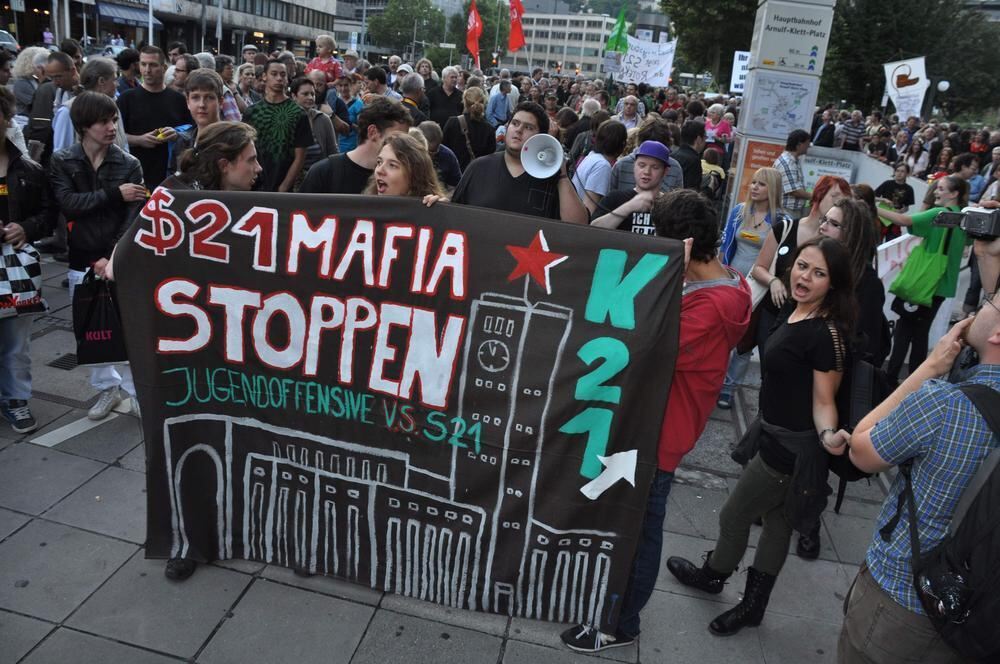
(619, 466)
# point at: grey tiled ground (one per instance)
(75, 587)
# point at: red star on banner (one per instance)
(535, 260)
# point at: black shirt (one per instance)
(901, 195)
(637, 222)
(143, 111)
(785, 252)
(482, 138)
(793, 352)
(488, 183)
(444, 106)
(336, 174)
(690, 162)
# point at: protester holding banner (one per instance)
(99, 188)
(785, 480)
(404, 168)
(917, 301)
(715, 311)
(745, 233)
(25, 215)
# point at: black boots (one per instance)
(703, 578)
(750, 611)
(808, 545)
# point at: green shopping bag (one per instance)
(918, 280)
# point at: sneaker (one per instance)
(583, 638)
(109, 398)
(725, 401)
(179, 569)
(17, 413)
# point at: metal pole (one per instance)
(204, 18)
(364, 27)
(84, 13)
(54, 21)
(149, 35)
(218, 31)
(413, 48)
(496, 35)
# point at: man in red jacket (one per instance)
(715, 312)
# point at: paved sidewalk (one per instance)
(75, 587)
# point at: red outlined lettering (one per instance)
(261, 224)
(202, 239)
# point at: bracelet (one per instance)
(771, 281)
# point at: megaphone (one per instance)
(542, 156)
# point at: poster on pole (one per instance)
(612, 63)
(741, 67)
(454, 404)
(758, 154)
(647, 62)
(815, 167)
(906, 84)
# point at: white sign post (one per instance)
(906, 84)
(647, 62)
(791, 36)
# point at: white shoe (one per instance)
(109, 398)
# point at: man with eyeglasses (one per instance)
(499, 181)
(184, 65)
(930, 423)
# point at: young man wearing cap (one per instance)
(629, 209)
(715, 312)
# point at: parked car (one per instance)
(8, 42)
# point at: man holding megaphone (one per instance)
(526, 178)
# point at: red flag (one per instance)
(473, 31)
(515, 39)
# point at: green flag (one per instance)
(618, 41)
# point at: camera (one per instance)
(978, 223)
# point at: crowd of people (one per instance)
(789, 271)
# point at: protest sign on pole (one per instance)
(458, 405)
(741, 66)
(906, 84)
(647, 62)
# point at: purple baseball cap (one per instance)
(656, 150)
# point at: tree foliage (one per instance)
(489, 11)
(959, 45)
(394, 27)
(708, 32)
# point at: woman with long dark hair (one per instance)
(784, 482)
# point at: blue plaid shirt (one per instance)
(948, 439)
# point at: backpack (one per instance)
(713, 186)
(867, 386)
(958, 581)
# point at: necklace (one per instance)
(757, 224)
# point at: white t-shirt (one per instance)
(593, 174)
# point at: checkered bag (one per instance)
(20, 282)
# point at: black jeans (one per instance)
(646, 564)
(911, 333)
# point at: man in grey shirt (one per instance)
(622, 173)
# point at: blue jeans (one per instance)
(15, 360)
(646, 564)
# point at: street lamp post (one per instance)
(364, 26)
(496, 36)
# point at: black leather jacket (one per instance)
(29, 200)
(96, 215)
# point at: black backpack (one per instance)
(958, 581)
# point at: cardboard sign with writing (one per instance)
(451, 404)
(647, 62)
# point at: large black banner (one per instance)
(452, 404)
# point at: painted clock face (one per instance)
(493, 355)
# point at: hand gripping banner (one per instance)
(447, 403)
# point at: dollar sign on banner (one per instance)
(167, 229)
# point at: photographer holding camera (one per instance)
(940, 439)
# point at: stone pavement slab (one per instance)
(695, 549)
(45, 413)
(811, 589)
(519, 652)
(798, 640)
(274, 623)
(396, 637)
(73, 384)
(19, 634)
(714, 447)
(47, 569)
(849, 536)
(694, 511)
(327, 585)
(107, 505)
(676, 630)
(33, 478)
(134, 460)
(67, 645)
(110, 441)
(481, 622)
(138, 605)
(11, 521)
